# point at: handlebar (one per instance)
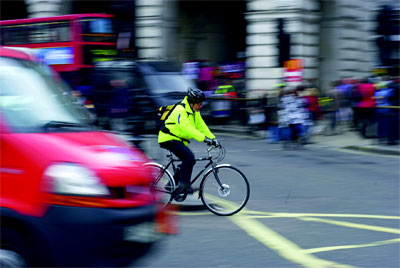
(220, 154)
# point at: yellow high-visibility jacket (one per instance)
(185, 124)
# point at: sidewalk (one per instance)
(353, 141)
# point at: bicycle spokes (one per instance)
(163, 185)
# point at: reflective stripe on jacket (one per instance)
(185, 124)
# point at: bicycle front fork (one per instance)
(215, 172)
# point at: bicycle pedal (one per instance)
(180, 197)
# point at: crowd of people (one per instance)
(210, 77)
(369, 106)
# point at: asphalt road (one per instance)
(309, 207)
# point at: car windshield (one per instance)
(32, 101)
(167, 83)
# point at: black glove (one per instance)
(216, 143)
(208, 141)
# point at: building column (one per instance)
(302, 18)
(43, 8)
(170, 30)
(347, 50)
(156, 23)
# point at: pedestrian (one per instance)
(394, 114)
(355, 100)
(333, 107)
(205, 76)
(310, 95)
(344, 90)
(381, 96)
(270, 103)
(119, 104)
(291, 115)
(366, 106)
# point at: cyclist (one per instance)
(185, 123)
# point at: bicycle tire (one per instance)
(162, 177)
(228, 201)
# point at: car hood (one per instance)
(116, 162)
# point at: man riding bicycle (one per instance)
(185, 123)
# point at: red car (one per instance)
(71, 195)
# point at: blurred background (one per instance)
(284, 70)
(241, 53)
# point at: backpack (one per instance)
(162, 115)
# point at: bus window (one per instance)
(60, 31)
(35, 33)
(97, 30)
(49, 32)
(14, 35)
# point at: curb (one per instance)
(372, 150)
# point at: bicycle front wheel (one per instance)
(163, 184)
(225, 191)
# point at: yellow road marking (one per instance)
(296, 215)
(184, 213)
(373, 244)
(289, 250)
(280, 244)
(354, 225)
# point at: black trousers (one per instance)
(366, 118)
(294, 131)
(185, 155)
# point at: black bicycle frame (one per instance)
(172, 160)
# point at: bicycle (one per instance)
(224, 189)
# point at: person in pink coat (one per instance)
(366, 106)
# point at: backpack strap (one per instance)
(166, 130)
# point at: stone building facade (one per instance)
(333, 37)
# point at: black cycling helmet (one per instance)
(195, 95)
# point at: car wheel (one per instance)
(10, 259)
(13, 252)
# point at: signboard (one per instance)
(55, 55)
(293, 70)
(93, 54)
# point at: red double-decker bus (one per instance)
(68, 43)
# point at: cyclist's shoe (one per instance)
(179, 197)
(180, 189)
(185, 188)
(191, 190)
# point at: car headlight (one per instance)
(74, 179)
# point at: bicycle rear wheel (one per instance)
(163, 184)
(231, 197)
